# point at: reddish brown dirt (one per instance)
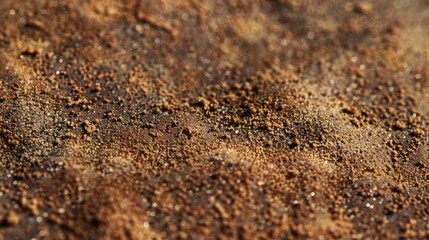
(200, 119)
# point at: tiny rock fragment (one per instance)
(364, 8)
(36, 24)
(158, 24)
(355, 122)
(205, 103)
(31, 51)
(252, 110)
(399, 125)
(399, 188)
(34, 209)
(153, 134)
(418, 132)
(190, 131)
(97, 87)
(12, 218)
(89, 127)
(350, 110)
(296, 142)
(268, 124)
(221, 210)
(70, 135)
(293, 4)
(88, 138)
(293, 173)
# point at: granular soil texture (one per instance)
(201, 119)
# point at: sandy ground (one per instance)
(200, 119)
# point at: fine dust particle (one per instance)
(12, 218)
(364, 8)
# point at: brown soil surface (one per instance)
(201, 119)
